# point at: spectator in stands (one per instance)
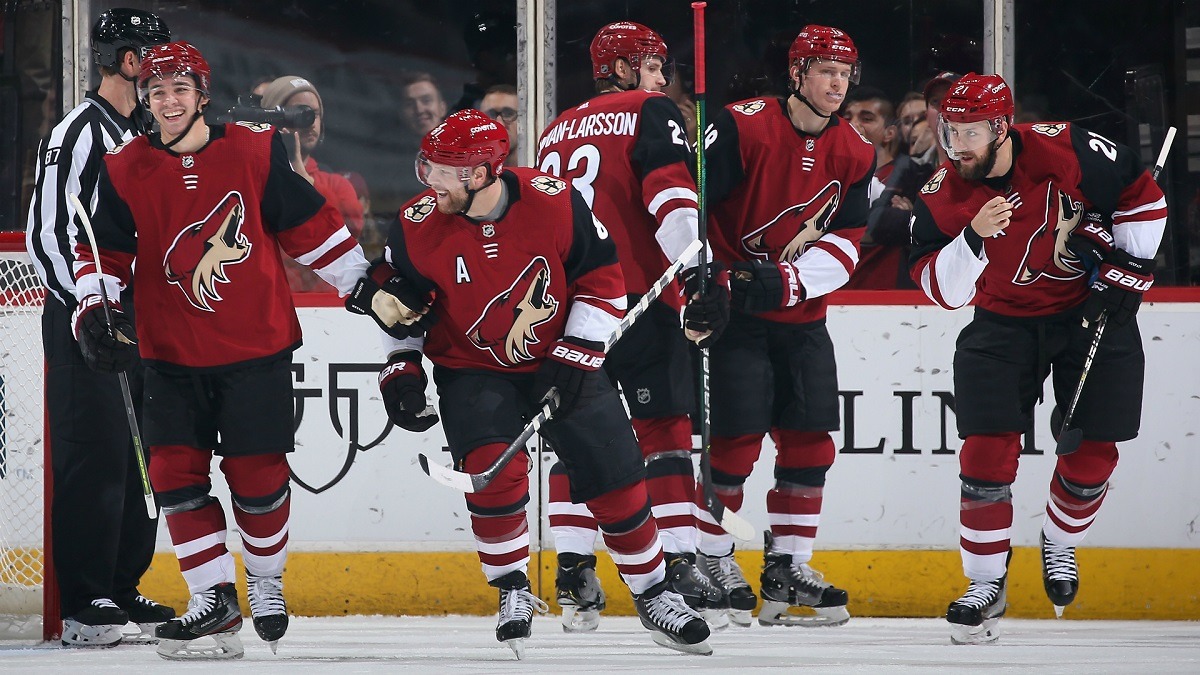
(500, 103)
(910, 111)
(491, 40)
(934, 90)
(422, 106)
(869, 110)
(290, 92)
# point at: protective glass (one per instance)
(440, 176)
(829, 69)
(653, 64)
(963, 138)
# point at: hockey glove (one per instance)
(758, 286)
(1118, 288)
(569, 373)
(1091, 241)
(393, 302)
(105, 349)
(708, 313)
(402, 383)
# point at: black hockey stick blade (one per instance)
(1068, 441)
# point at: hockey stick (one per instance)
(1068, 438)
(728, 520)
(474, 482)
(147, 492)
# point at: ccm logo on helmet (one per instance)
(565, 353)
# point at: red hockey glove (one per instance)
(1119, 287)
(570, 373)
(105, 348)
(758, 286)
(396, 305)
(708, 313)
(1091, 241)
(402, 383)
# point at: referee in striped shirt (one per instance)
(102, 540)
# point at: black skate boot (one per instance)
(671, 622)
(786, 585)
(974, 618)
(268, 608)
(1060, 574)
(213, 613)
(579, 593)
(146, 614)
(698, 591)
(97, 625)
(723, 570)
(517, 604)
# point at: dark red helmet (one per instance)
(171, 59)
(975, 98)
(466, 139)
(624, 40)
(823, 42)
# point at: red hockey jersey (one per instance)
(779, 194)
(505, 290)
(206, 229)
(1059, 171)
(628, 155)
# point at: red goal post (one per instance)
(28, 596)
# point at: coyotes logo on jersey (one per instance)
(1046, 254)
(506, 327)
(196, 260)
(789, 233)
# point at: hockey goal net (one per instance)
(25, 489)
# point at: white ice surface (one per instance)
(467, 644)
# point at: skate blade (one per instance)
(741, 618)
(222, 646)
(701, 648)
(77, 635)
(274, 645)
(985, 633)
(717, 619)
(575, 620)
(518, 647)
(1058, 611)
(144, 634)
(780, 614)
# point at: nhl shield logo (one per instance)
(489, 230)
(643, 396)
(189, 161)
(809, 145)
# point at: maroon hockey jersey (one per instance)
(1059, 171)
(505, 290)
(206, 229)
(779, 194)
(628, 155)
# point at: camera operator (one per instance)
(293, 94)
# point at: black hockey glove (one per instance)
(708, 313)
(104, 349)
(393, 302)
(402, 383)
(1119, 287)
(758, 286)
(1091, 241)
(570, 373)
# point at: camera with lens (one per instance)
(250, 110)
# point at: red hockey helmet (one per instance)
(465, 140)
(975, 98)
(172, 59)
(823, 42)
(624, 40)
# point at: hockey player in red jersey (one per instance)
(204, 212)
(525, 287)
(787, 185)
(625, 152)
(1019, 222)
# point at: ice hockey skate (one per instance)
(698, 591)
(974, 618)
(787, 586)
(579, 593)
(268, 608)
(1060, 574)
(671, 622)
(723, 570)
(97, 625)
(208, 630)
(517, 604)
(144, 616)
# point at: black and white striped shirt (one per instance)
(69, 161)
